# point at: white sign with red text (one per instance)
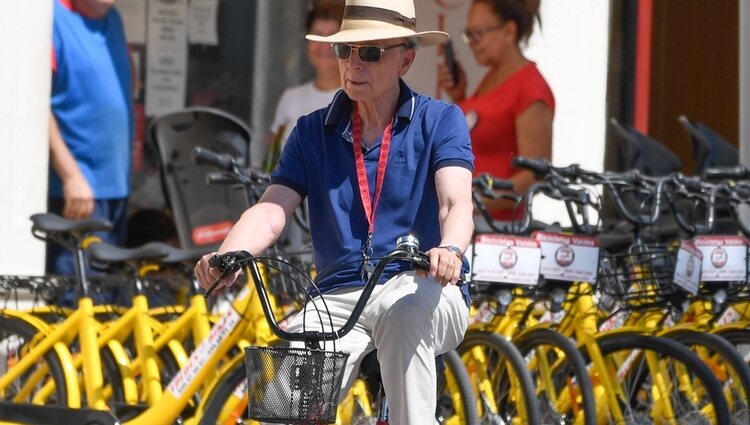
(687, 270)
(724, 258)
(568, 257)
(506, 259)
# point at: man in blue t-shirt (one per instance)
(378, 163)
(91, 120)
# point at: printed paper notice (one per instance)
(133, 14)
(203, 22)
(166, 56)
(506, 259)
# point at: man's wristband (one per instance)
(454, 249)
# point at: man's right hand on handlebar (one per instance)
(207, 275)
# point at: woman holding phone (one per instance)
(510, 113)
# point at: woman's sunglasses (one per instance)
(369, 54)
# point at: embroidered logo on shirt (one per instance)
(400, 158)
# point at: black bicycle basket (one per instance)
(642, 275)
(293, 385)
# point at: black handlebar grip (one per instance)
(719, 173)
(742, 192)
(538, 166)
(578, 195)
(500, 184)
(487, 181)
(693, 184)
(219, 178)
(203, 156)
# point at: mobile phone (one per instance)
(450, 60)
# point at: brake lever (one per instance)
(228, 263)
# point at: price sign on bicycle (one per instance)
(567, 257)
(506, 259)
(724, 258)
(687, 271)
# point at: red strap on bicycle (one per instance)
(364, 188)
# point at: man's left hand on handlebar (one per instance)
(445, 266)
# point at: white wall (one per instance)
(571, 51)
(25, 45)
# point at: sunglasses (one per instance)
(370, 54)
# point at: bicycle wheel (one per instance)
(726, 363)
(228, 399)
(562, 379)
(500, 379)
(662, 381)
(456, 402)
(16, 337)
(111, 373)
(739, 338)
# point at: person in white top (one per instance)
(323, 19)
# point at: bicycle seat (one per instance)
(177, 255)
(110, 254)
(370, 367)
(53, 223)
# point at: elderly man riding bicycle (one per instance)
(380, 162)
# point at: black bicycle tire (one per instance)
(733, 335)
(53, 361)
(228, 382)
(515, 360)
(612, 342)
(111, 371)
(468, 401)
(528, 340)
(723, 348)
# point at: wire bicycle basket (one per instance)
(642, 275)
(293, 385)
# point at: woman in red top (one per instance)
(511, 111)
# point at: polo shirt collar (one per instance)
(340, 109)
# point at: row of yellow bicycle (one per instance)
(598, 323)
(645, 324)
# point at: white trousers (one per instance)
(409, 320)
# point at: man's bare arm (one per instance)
(79, 198)
(258, 228)
(453, 185)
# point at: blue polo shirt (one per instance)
(318, 163)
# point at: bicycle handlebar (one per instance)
(739, 194)
(487, 181)
(220, 177)
(407, 250)
(724, 173)
(540, 167)
(202, 156)
(230, 172)
(693, 188)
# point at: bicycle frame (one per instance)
(224, 335)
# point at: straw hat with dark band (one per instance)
(368, 20)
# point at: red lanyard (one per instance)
(364, 188)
